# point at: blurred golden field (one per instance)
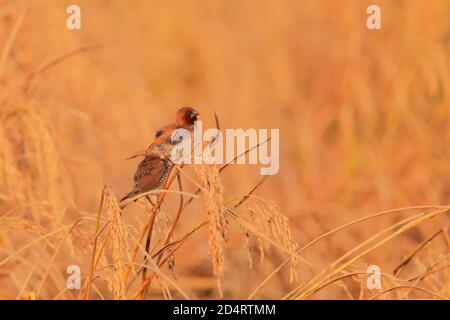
(364, 119)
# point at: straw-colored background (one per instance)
(364, 118)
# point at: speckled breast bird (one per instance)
(153, 170)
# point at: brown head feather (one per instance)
(186, 116)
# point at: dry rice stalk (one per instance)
(339, 265)
(216, 211)
(8, 223)
(270, 221)
(31, 158)
(11, 180)
(406, 260)
(163, 221)
(119, 243)
(148, 226)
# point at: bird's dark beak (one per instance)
(194, 114)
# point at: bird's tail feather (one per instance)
(129, 195)
(138, 154)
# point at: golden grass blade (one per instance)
(30, 244)
(408, 287)
(415, 251)
(10, 42)
(374, 237)
(401, 230)
(30, 274)
(57, 60)
(55, 253)
(87, 286)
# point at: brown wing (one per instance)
(162, 130)
(163, 144)
(163, 135)
(150, 174)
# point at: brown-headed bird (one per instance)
(153, 170)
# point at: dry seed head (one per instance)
(8, 223)
(119, 242)
(271, 222)
(171, 265)
(37, 155)
(213, 193)
(247, 247)
(11, 180)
